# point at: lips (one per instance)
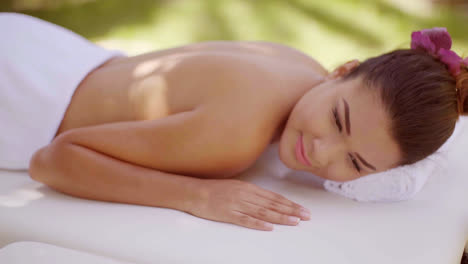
(300, 153)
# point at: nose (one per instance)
(326, 150)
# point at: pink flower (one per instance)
(440, 37)
(437, 42)
(422, 41)
(431, 40)
(451, 59)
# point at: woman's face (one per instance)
(339, 131)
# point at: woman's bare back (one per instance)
(138, 126)
(246, 88)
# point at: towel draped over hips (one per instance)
(41, 65)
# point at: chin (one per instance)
(284, 151)
(283, 158)
(283, 155)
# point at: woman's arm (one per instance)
(89, 173)
(189, 143)
(86, 173)
(119, 161)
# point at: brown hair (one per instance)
(420, 95)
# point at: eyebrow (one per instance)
(348, 130)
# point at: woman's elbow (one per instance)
(45, 162)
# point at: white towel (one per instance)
(398, 184)
(41, 65)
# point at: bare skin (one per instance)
(169, 128)
(138, 126)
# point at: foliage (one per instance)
(331, 31)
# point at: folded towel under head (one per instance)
(396, 184)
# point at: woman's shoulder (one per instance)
(251, 113)
(252, 49)
(246, 126)
(293, 54)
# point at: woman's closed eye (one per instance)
(337, 120)
(354, 162)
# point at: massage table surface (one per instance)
(432, 228)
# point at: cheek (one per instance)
(316, 116)
(317, 122)
(339, 172)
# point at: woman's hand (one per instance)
(245, 204)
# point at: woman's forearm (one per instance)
(82, 172)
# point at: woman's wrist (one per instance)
(194, 193)
(174, 191)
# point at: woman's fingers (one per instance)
(242, 219)
(276, 197)
(280, 204)
(268, 214)
(247, 205)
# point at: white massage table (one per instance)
(432, 228)
(40, 253)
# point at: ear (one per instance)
(343, 70)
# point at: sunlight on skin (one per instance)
(146, 68)
(150, 94)
(264, 50)
(149, 91)
(22, 197)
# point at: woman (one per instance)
(168, 128)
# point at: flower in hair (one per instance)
(451, 59)
(437, 42)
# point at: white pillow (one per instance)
(401, 183)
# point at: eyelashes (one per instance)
(340, 128)
(355, 163)
(337, 120)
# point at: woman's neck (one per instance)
(279, 130)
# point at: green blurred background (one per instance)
(332, 31)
